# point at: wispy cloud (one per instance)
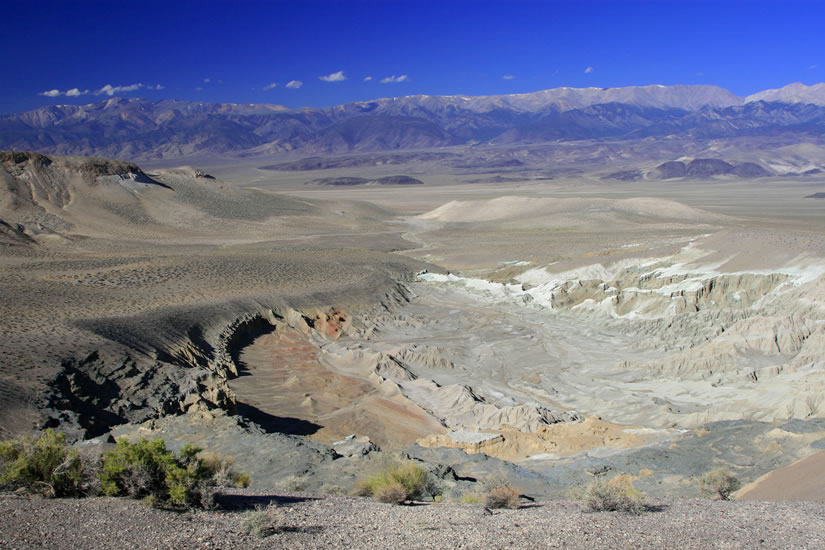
(110, 90)
(270, 86)
(367, 78)
(334, 77)
(394, 79)
(508, 77)
(588, 70)
(811, 67)
(294, 84)
(207, 80)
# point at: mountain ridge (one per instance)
(141, 129)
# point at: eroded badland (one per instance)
(535, 327)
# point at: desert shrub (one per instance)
(470, 498)
(617, 494)
(221, 470)
(258, 522)
(502, 497)
(148, 470)
(719, 484)
(46, 465)
(412, 479)
(293, 483)
(394, 493)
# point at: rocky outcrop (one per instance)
(14, 235)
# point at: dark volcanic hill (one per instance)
(704, 168)
(141, 129)
(350, 181)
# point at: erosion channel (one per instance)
(638, 366)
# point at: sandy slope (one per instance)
(802, 480)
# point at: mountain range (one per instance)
(142, 129)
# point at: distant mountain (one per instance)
(793, 93)
(141, 129)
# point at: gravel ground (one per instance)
(322, 521)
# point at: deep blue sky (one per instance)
(444, 47)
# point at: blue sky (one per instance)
(245, 51)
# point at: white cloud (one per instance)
(393, 79)
(812, 67)
(367, 78)
(110, 90)
(207, 80)
(334, 77)
(198, 88)
(270, 86)
(294, 84)
(508, 77)
(589, 70)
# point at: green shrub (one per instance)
(502, 497)
(45, 465)
(148, 470)
(410, 478)
(719, 484)
(617, 494)
(145, 470)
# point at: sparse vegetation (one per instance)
(293, 483)
(222, 472)
(394, 493)
(502, 497)
(614, 495)
(47, 466)
(258, 522)
(398, 484)
(719, 484)
(470, 498)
